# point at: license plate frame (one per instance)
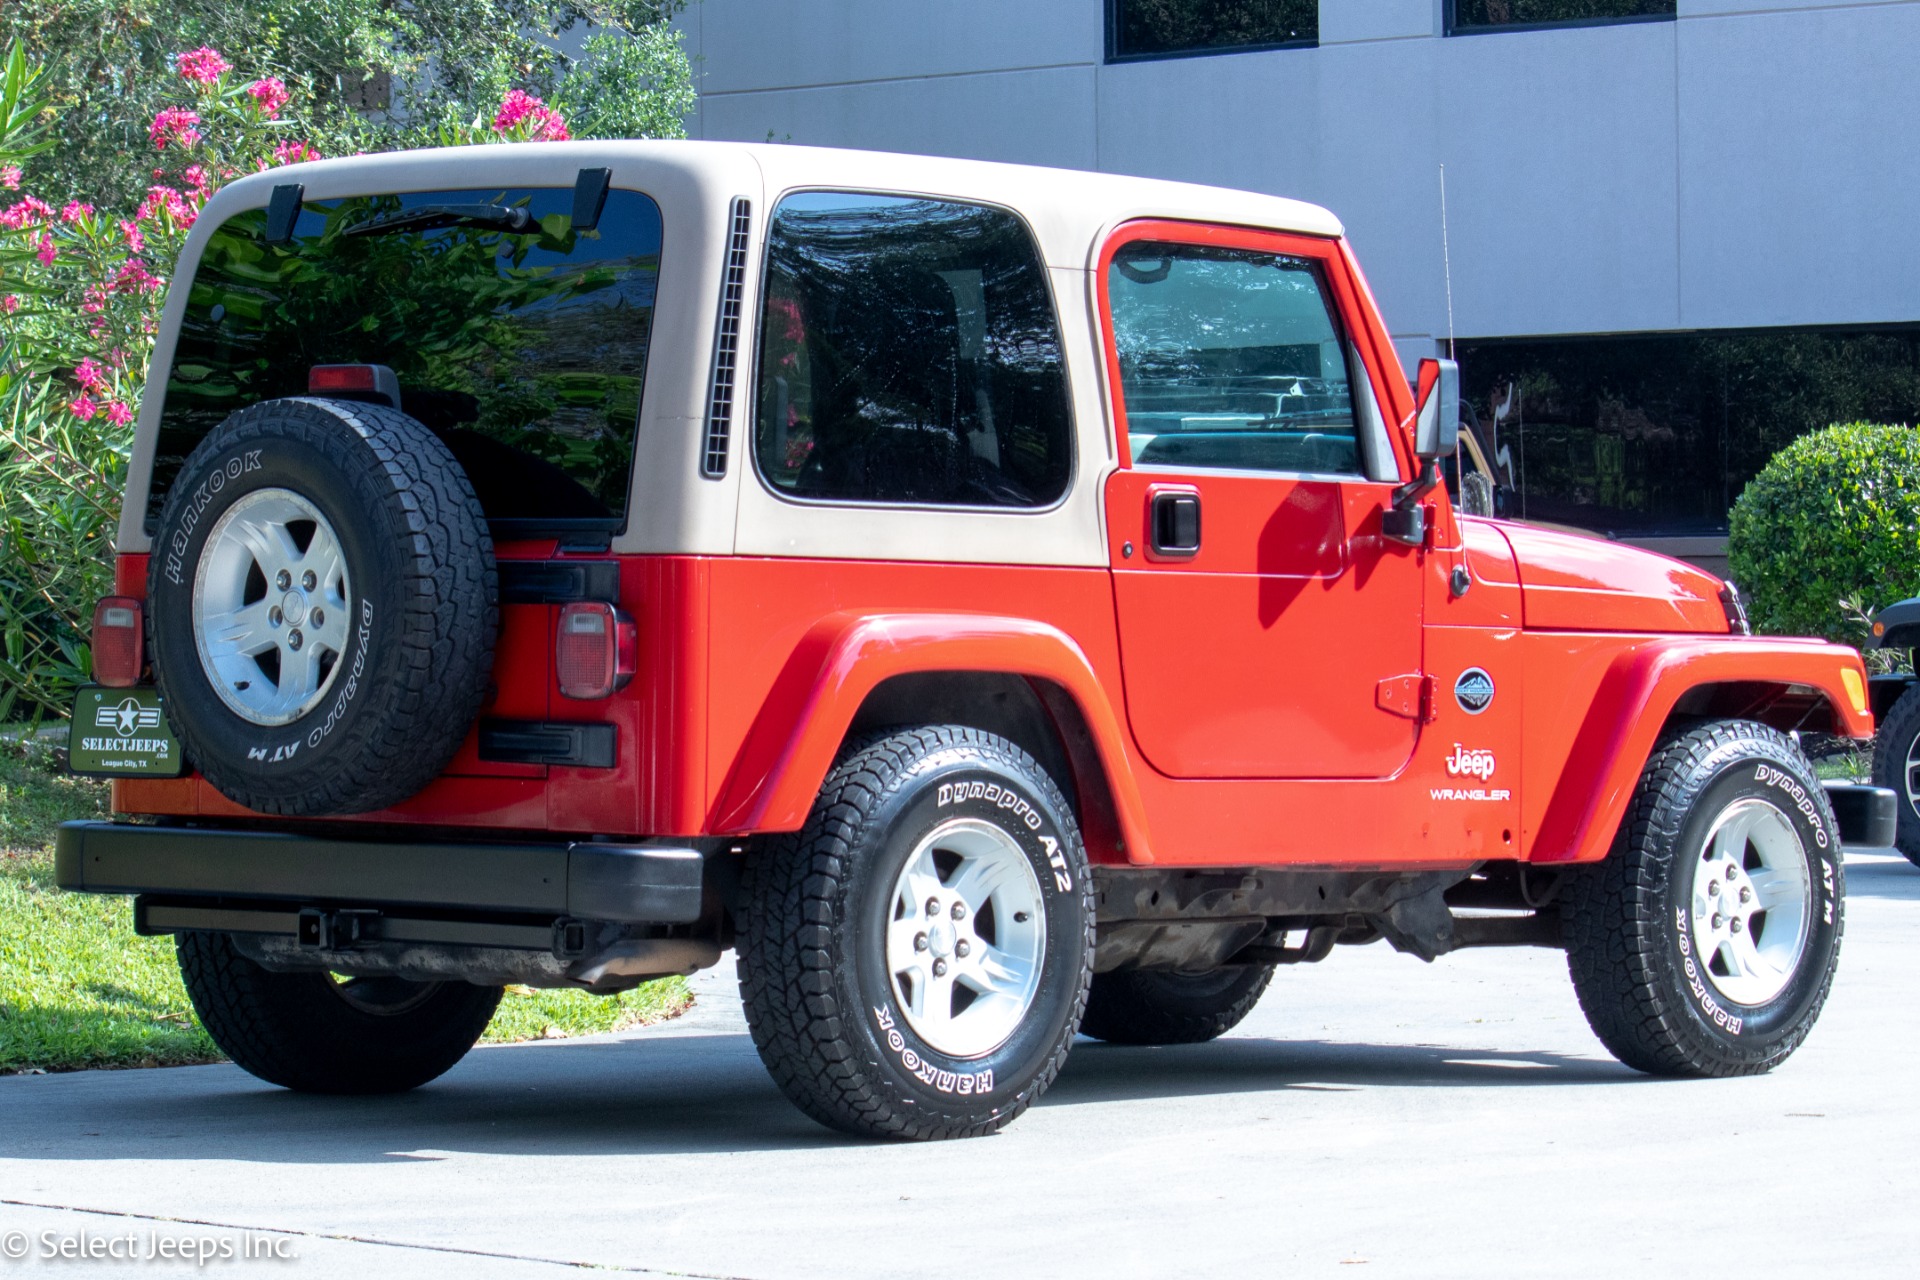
(122, 733)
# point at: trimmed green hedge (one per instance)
(1832, 518)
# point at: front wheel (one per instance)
(1896, 766)
(914, 962)
(1707, 941)
(315, 1033)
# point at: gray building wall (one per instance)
(1748, 164)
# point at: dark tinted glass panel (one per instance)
(524, 351)
(1655, 435)
(1470, 14)
(1157, 28)
(1229, 358)
(909, 353)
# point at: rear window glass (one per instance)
(909, 353)
(525, 351)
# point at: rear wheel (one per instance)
(319, 1033)
(1159, 1006)
(1705, 944)
(914, 961)
(1896, 766)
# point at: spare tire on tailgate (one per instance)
(324, 601)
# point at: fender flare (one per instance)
(779, 768)
(1632, 704)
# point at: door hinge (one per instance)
(1409, 696)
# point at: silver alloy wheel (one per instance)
(1913, 774)
(966, 936)
(271, 606)
(1752, 897)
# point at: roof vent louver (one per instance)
(726, 351)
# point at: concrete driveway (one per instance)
(1375, 1116)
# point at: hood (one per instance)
(1573, 582)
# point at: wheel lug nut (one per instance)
(283, 580)
(1736, 924)
(919, 942)
(308, 581)
(1713, 887)
(293, 638)
(274, 615)
(963, 948)
(319, 618)
(933, 906)
(1746, 895)
(939, 968)
(959, 911)
(1718, 920)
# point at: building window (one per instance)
(1178, 28)
(909, 353)
(1468, 16)
(1656, 434)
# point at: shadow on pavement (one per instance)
(681, 1094)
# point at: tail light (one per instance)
(596, 650)
(356, 381)
(119, 642)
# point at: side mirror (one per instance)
(1436, 423)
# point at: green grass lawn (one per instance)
(78, 989)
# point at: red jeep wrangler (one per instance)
(999, 603)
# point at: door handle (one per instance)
(1173, 524)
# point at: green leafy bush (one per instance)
(1833, 518)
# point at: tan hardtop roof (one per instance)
(1067, 207)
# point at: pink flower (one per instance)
(136, 241)
(518, 107)
(118, 414)
(294, 153)
(83, 407)
(47, 251)
(176, 125)
(169, 201)
(26, 212)
(203, 65)
(269, 94)
(90, 375)
(133, 277)
(75, 211)
(10, 176)
(10, 304)
(195, 176)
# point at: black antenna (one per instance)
(283, 211)
(590, 197)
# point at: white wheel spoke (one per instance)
(980, 877)
(1773, 888)
(1000, 972)
(247, 630)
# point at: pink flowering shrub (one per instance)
(80, 295)
(525, 118)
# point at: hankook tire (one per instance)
(323, 600)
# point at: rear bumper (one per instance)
(1866, 814)
(624, 883)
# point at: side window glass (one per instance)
(909, 353)
(1230, 358)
